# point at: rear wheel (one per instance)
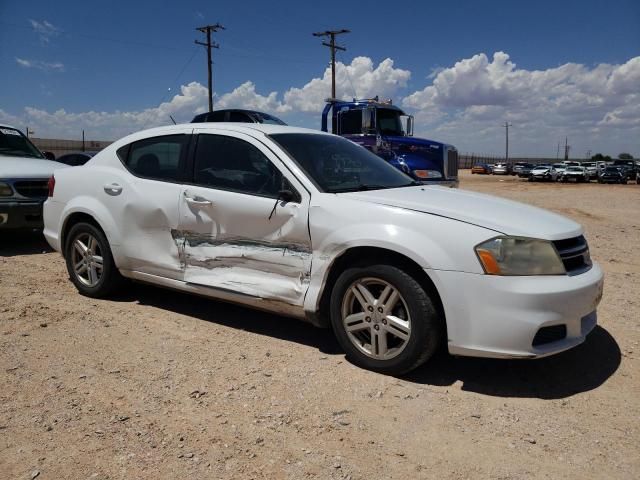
(384, 319)
(90, 262)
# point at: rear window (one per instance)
(157, 158)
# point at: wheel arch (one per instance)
(367, 255)
(73, 219)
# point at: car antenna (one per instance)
(174, 122)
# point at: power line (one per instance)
(208, 29)
(332, 45)
(184, 67)
(355, 92)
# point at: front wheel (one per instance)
(384, 319)
(90, 262)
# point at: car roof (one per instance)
(251, 129)
(248, 128)
(4, 125)
(89, 154)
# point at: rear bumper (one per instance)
(21, 215)
(499, 317)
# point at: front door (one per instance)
(236, 234)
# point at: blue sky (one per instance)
(70, 65)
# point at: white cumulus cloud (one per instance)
(245, 96)
(467, 102)
(360, 79)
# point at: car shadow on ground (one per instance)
(581, 369)
(234, 316)
(22, 243)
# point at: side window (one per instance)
(350, 122)
(229, 163)
(157, 157)
(239, 117)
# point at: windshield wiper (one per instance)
(363, 187)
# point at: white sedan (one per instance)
(313, 226)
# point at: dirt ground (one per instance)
(158, 384)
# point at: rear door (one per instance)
(236, 234)
(147, 202)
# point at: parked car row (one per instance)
(619, 171)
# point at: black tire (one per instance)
(110, 280)
(426, 326)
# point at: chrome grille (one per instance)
(452, 163)
(32, 188)
(574, 253)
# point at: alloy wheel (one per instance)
(376, 318)
(87, 259)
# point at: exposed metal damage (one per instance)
(278, 271)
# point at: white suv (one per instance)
(313, 226)
(24, 178)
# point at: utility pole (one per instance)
(332, 45)
(506, 149)
(207, 30)
(558, 152)
(567, 147)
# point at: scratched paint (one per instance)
(277, 271)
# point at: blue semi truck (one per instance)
(387, 131)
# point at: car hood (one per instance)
(25, 167)
(503, 216)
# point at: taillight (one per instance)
(51, 184)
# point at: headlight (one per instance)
(5, 190)
(519, 256)
(427, 174)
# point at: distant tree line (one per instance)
(606, 158)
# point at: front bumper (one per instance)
(21, 215)
(499, 317)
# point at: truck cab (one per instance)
(387, 131)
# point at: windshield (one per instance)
(574, 169)
(611, 169)
(336, 165)
(542, 166)
(389, 122)
(14, 143)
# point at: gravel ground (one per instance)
(158, 384)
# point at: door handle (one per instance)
(113, 189)
(197, 201)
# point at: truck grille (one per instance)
(452, 163)
(32, 188)
(574, 253)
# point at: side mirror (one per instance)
(410, 126)
(286, 195)
(49, 155)
(368, 120)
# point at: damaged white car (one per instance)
(313, 226)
